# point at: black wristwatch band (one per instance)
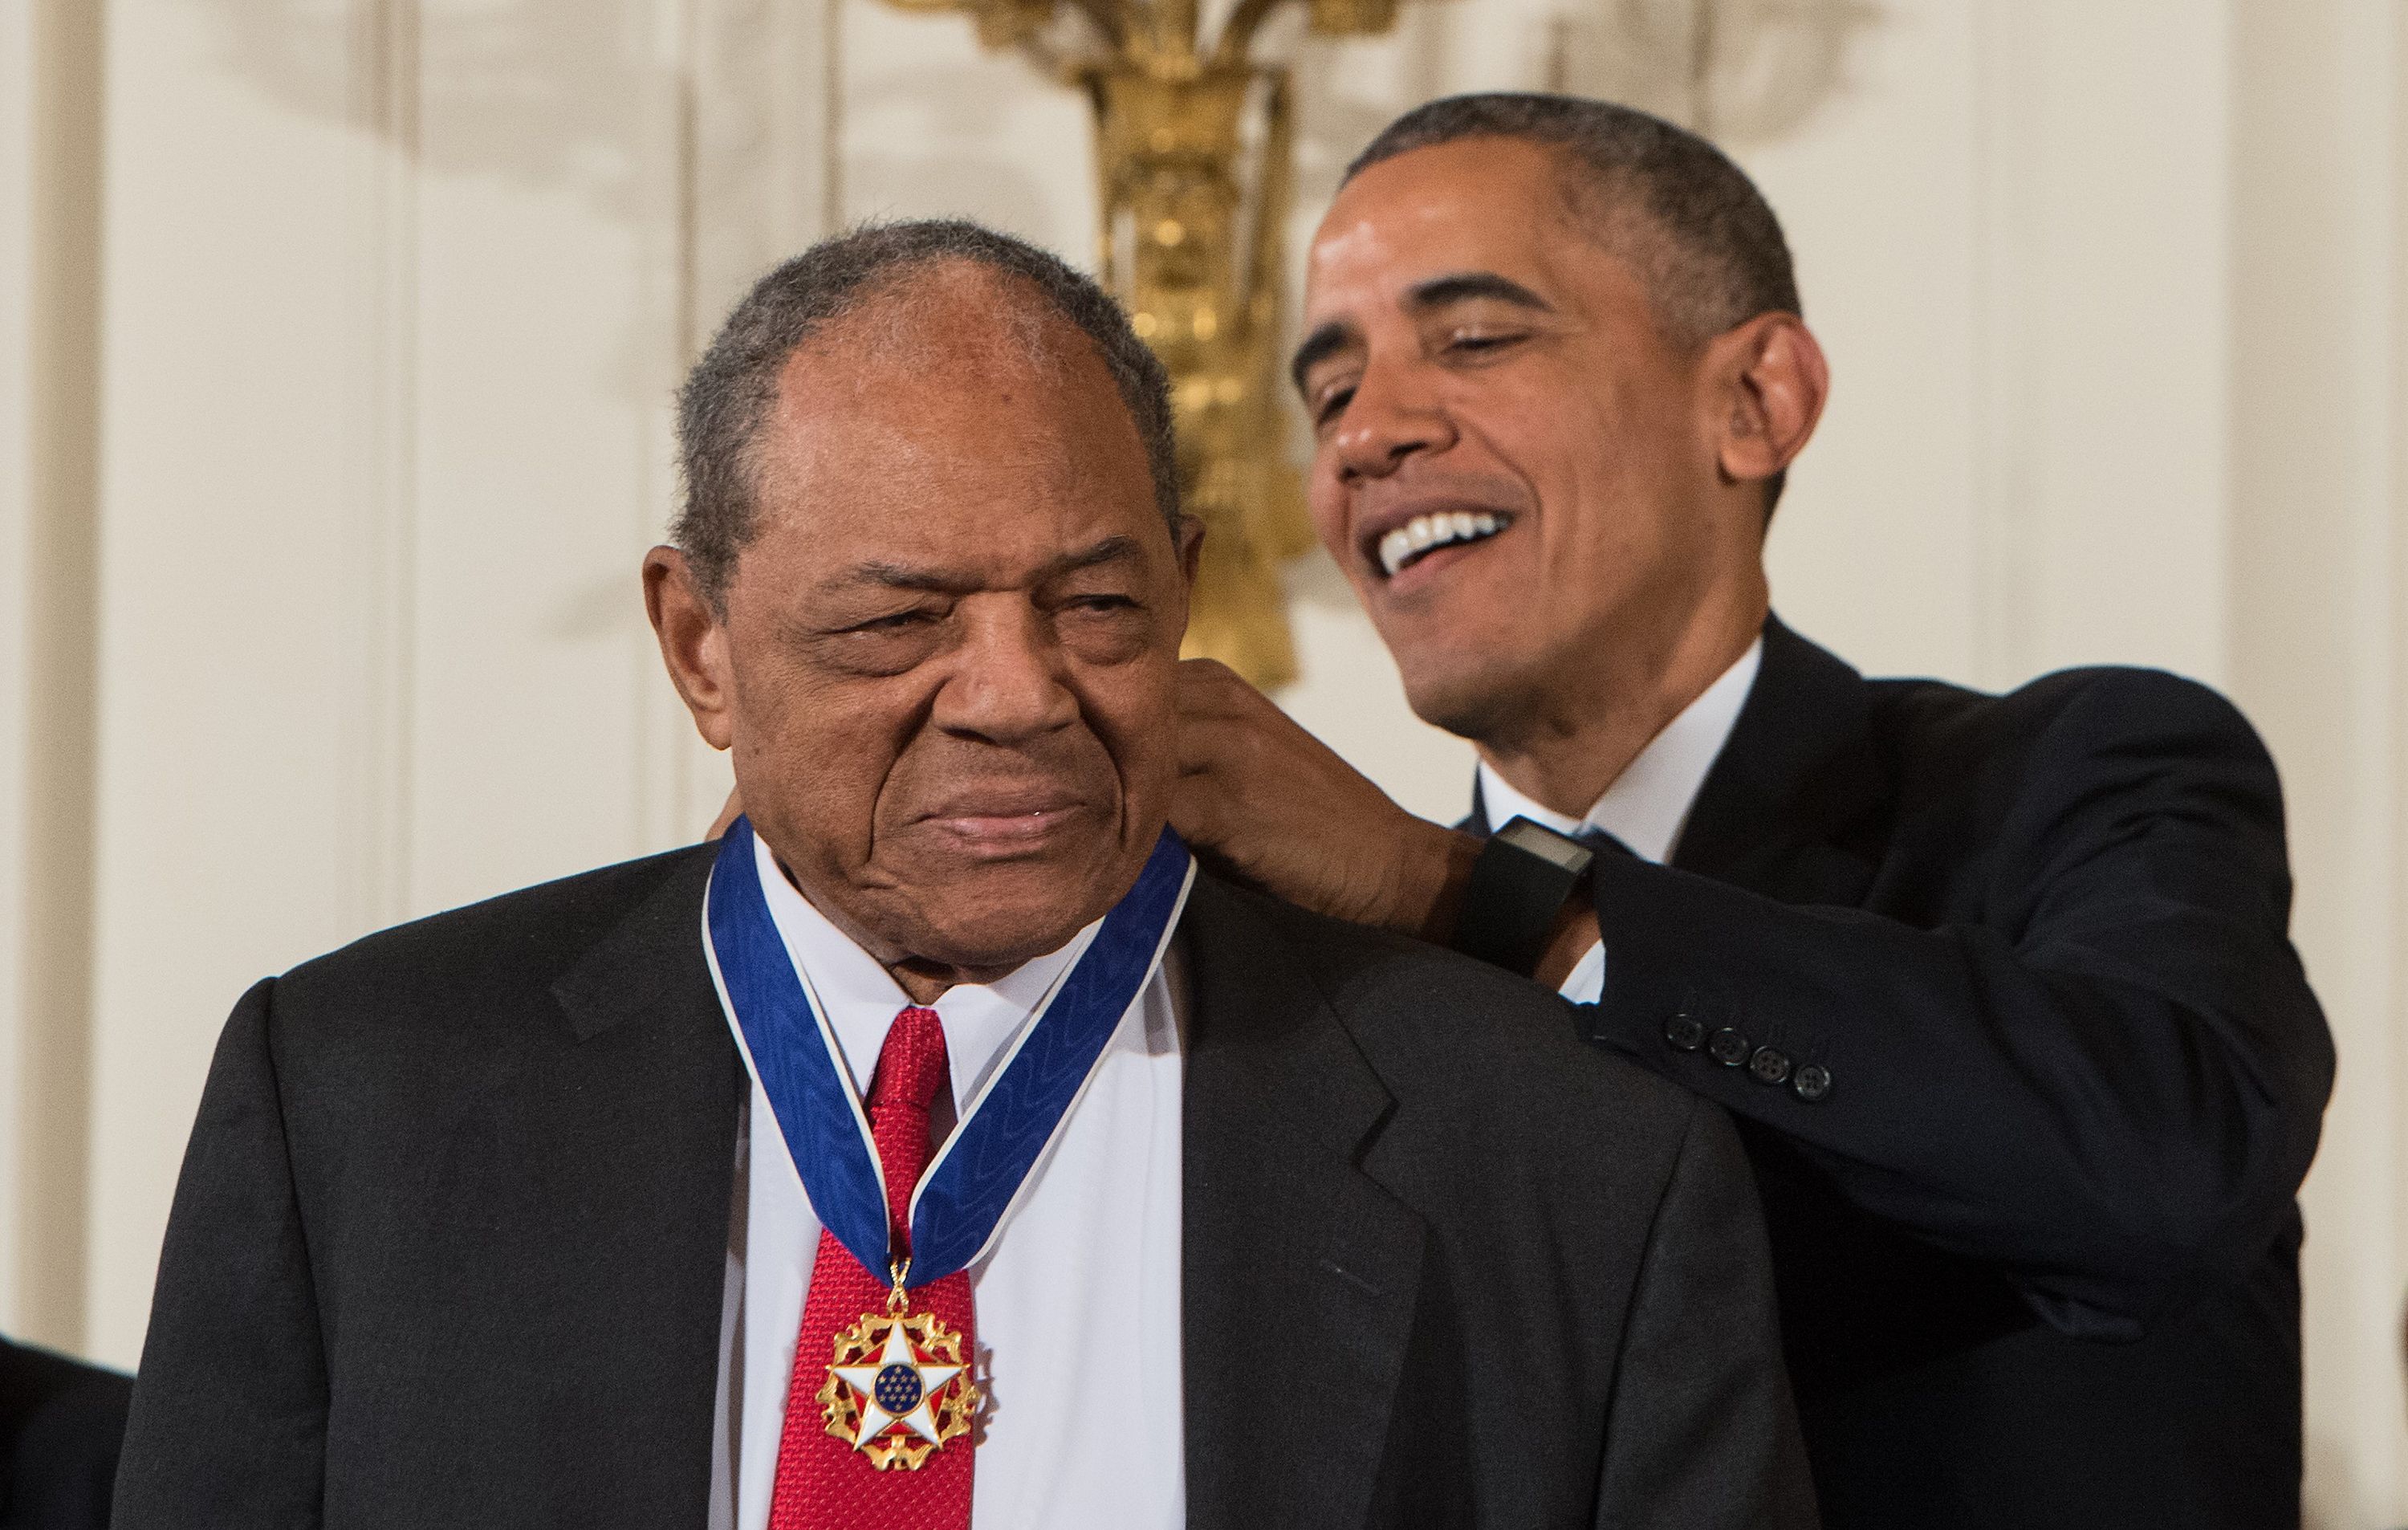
(1518, 886)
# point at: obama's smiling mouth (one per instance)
(1425, 533)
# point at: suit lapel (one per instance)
(1300, 1273)
(1785, 807)
(614, 1139)
(1789, 804)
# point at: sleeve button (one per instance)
(1685, 1032)
(1729, 1047)
(1812, 1082)
(1770, 1067)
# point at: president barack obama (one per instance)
(1999, 987)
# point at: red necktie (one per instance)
(824, 1482)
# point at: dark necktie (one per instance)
(1602, 842)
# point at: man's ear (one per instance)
(693, 643)
(1770, 383)
(1187, 534)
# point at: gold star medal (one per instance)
(898, 1387)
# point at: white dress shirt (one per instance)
(1648, 803)
(1076, 1302)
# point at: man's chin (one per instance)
(987, 914)
(1469, 700)
(995, 935)
(1463, 668)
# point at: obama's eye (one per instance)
(1481, 342)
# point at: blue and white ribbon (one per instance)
(966, 1195)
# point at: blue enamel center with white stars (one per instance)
(896, 1389)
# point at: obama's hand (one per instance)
(1267, 803)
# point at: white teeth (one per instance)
(1437, 529)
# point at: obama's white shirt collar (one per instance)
(1648, 803)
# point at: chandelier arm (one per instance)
(1110, 17)
(1174, 29)
(1277, 191)
(1238, 33)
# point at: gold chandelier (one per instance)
(1194, 154)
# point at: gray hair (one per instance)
(1707, 247)
(729, 394)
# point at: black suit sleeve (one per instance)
(1702, 1434)
(229, 1416)
(2108, 1084)
(61, 1424)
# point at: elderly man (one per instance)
(937, 1150)
(1999, 985)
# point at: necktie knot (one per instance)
(911, 1066)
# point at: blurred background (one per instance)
(337, 340)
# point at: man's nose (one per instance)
(1007, 683)
(1395, 413)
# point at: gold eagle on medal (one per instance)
(898, 1388)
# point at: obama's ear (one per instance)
(1770, 383)
(693, 642)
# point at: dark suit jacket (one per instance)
(2037, 1247)
(449, 1247)
(61, 1422)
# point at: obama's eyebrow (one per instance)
(896, 575)
(1421, 297)
(1464, 286)
(1318, 347)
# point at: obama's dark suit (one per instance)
(2001, 990)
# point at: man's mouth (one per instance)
(1006, 822)
(1425, 533)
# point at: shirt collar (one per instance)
(861, 998)
(1648, 803)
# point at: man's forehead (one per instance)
(916, 387)
(1474, 204)
(1023, 556)
(943, 526)
(933, 336)
(908, 443)
(945, 445)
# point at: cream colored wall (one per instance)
(2317, 645)
(16, 501)
(387, 298)
(50, 154)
